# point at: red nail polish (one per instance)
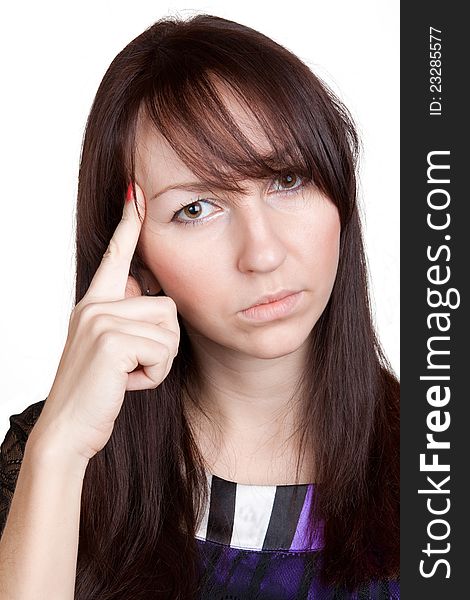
(129, 193)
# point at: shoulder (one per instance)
(22, 423)
(11, 453)
(14, 442)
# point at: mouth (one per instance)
(272, 310)
(274, 297)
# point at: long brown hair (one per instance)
(143, 492)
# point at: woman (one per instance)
(177, 421)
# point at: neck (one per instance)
(247, 428)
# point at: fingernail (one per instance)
(129, 193)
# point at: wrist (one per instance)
(50, 448)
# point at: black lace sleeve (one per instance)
(11, 455)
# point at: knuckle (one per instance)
(164, 351)
(176, 341)
(89, 311)
(97, 324)
(168, 301)
(107, 340)
(155, 384)
(171, 305)
(168, 353)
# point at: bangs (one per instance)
(188, 107)
(291, 121)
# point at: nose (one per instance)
(258, 231)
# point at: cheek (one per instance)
(186, 276)
(192, 280)
(321, 239)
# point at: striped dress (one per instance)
(253, 546)
(252, 538)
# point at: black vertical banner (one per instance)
(435, 252)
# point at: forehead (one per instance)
(156, 159)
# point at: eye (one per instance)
(287, 182)
(193, 214)
(193, 211)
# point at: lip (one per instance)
(267, 298)
(276, 309)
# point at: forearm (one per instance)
(39, 545)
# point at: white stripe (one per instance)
(253, 507)
(201, 532)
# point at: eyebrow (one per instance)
(199, 186)
(190, 186)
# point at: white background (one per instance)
(53, 57)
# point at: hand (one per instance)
(117, 340)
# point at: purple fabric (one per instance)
(237, 574)
(300, 540)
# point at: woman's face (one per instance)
(216, 258)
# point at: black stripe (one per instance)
(284, 516)
(262, 566)
(228, 584)
(211, 587)
(211, 555)
(221, 510)
(309, 572)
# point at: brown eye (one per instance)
(287, 181)
(192, 210)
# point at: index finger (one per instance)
(109, 281)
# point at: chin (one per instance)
(274, 344)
